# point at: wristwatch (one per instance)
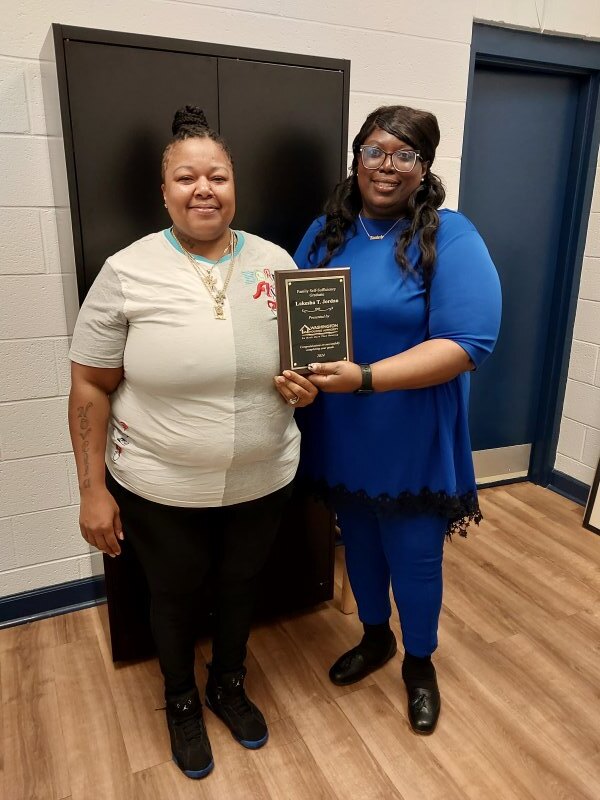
(366, 386)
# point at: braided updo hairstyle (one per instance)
(420, 130)
(190, 123)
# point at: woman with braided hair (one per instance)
(173, 363)
(387, 439)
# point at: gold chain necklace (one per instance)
(381, 235)
(208, 279)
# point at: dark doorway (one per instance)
(523, 163)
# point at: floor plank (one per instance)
(503, 604)
(34, 766)
(137, 692)
(291, 773)
(564, 701)
(324, 641)
(403, 756)
(167, 782)
(342, 756)
(574, 641)
(528, 757)
(94, 748)
(550, 504)
(289, 674)
(34, 635)
(577, 573)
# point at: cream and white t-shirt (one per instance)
(196, 420)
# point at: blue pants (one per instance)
(406, 549)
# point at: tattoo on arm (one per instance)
(84, 432)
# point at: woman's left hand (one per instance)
(296, 390)
(336, 376)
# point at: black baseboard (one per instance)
(17, 609)
(569, 487)
(503, 482)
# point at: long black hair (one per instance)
(190, 122)
(420, 130)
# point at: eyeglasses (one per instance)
(373, 157)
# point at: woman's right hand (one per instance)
(295, 389)
(100, 521)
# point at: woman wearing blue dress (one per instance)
(388, 438)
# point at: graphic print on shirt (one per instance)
(121, 440)
(263, 282)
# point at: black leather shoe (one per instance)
(423, 709)
(359, 662)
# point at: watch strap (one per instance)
(366, 386)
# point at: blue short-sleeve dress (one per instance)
(406, 450)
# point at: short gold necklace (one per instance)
(381, 235)
(208, 279)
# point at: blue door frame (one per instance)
(553, 55)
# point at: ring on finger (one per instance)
(293, 400)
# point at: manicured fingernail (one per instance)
(279, 379)
(120, 535)
(287, 373)
(313, 367)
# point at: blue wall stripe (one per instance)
(40, 603)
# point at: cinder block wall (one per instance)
(400, 53)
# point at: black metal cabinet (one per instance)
(285, 117)
(284, 126)
(121, 104)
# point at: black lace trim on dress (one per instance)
(460, 510)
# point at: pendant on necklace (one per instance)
(372, 238)
(219, 303)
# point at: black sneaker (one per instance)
(225, 696)
(189, 740)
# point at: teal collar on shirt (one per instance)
(172, 240)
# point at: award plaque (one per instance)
(313, 316)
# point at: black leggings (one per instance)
(177, 547)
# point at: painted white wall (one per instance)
(418, 55)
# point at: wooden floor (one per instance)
(518, 667)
